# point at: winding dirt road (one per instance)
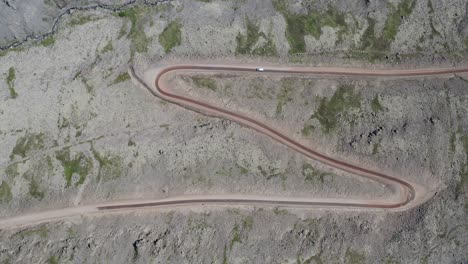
(407, 194)
(405, 190)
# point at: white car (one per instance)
(259, 69)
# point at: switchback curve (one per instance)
(410, 195)
(408, 192)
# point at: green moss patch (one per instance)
(10, 80)
(137, 36)
(372, 44)
(81, 20)
(122, 31)
(313, 259)
(390, 260)
(247, 222)
(171, 36)
(5, 192)
(12, 170)
(330, 110)
(242, 170)
(299, 25)
(11, 76)
(15, 49)
(462, 185)
(53, 260)
(375, 44)
(246, 43)
(80, 165)
(121, 78)
(131, 143)
(27, 143)
(279, 211)
(452, 142)
(285, 94)
(354, 257)
(236, 238)
(395, 17)
(307, 130)
(269, 172)
(109, 47)
(375, 148)
(35, 190)
(375, 105)
(41, 231)
(434, 31)
(50, 3)
(47, 42)
(204, 82)
(312, 174)
(110, 166)
(225, 257)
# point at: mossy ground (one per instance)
(121, 78)
(108, 48)
(389, 260)
(354, 257)
(80, 164)
(299, 25)
(53, 260)
(376, 106)
(5, 192)
(27, 143)
(269, 172)
(40, 231)
(225, 258)
(329, 110)
(35, 190)
(375, 148)
(307, 130)
(10, 80)
(375, 45)
(246, 44)
(204, 82)
(395, 18)
(280, 211)
(13, 49)
(462, 185)
(110, 166)
(137, 35)
(312, 174)
(452, 142)
(81, 20)
(171, 36)
(236, 238)
(12, 170)
(49, 41)
(313, 259)
(285, 94)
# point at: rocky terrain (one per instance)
(75, 130)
